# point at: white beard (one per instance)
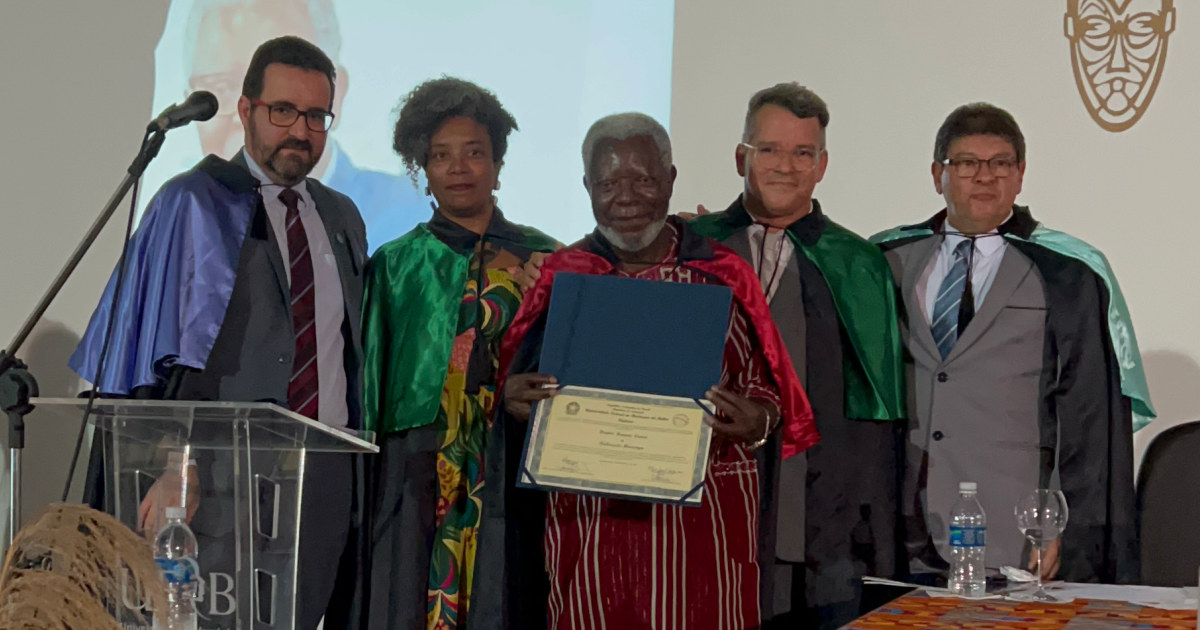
(633, 242)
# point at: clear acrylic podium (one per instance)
(247, 461)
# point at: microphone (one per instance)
(199, 106)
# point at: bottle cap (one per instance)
(174, 513)
(967, 486)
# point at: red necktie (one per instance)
(304, 386)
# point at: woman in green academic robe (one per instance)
(439, 300)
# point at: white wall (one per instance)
(891, 72)
(77, 88)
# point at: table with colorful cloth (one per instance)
(1120, 608)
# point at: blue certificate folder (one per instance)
(628, 335)
(643, 336)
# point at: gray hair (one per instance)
(623, 127)
(324, 21)
(797, 99)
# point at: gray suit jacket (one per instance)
(1030, 397)
(974, 416)
(251, 359)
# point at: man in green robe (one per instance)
(830, 291)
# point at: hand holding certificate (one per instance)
(637, 361)
(610, 442)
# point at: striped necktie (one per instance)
(304, 385)
(945, 309)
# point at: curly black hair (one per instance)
(434, 102)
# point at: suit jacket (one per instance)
(251, 359)
(1029, 397)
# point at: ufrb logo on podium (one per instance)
(215, 603)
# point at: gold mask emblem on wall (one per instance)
(1118, 50)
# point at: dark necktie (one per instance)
(945, 326)
(304, 386)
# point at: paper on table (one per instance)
(931, 591)
(1153, 596)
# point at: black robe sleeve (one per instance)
(1087, 424)
(511, 589)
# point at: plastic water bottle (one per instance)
(968, 539)
(175, 552)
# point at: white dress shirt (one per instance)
(771, 251)
(769, 257)
(985, 261)
(327, 293)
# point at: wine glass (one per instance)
(1041, 517)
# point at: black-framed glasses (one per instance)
(803, 159)
(999, 166)
(285, 115)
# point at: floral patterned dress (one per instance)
(468, 398)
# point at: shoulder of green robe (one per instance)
(537, 240)
(398, 245)
(1120, 324)
(393, 252)
(718, 225)
(901, 235)
(854, 247)
(851, 265)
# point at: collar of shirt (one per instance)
(771, 251)
(271, 190)
(986, 245)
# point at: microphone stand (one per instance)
(17, 385)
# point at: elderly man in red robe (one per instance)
(584, 562)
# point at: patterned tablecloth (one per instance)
(922, 611)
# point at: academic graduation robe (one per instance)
(439, 300)
(854, 377)
(179, 276)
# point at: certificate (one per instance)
(619, 444)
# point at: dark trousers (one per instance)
(329, 551)
(403, 520)
(330, 547)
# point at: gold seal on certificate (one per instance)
(622, 444)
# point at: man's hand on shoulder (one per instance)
(700, 211)
(528, 274)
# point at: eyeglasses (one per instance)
(285, 115)
(803, 159)
(1000, 166)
